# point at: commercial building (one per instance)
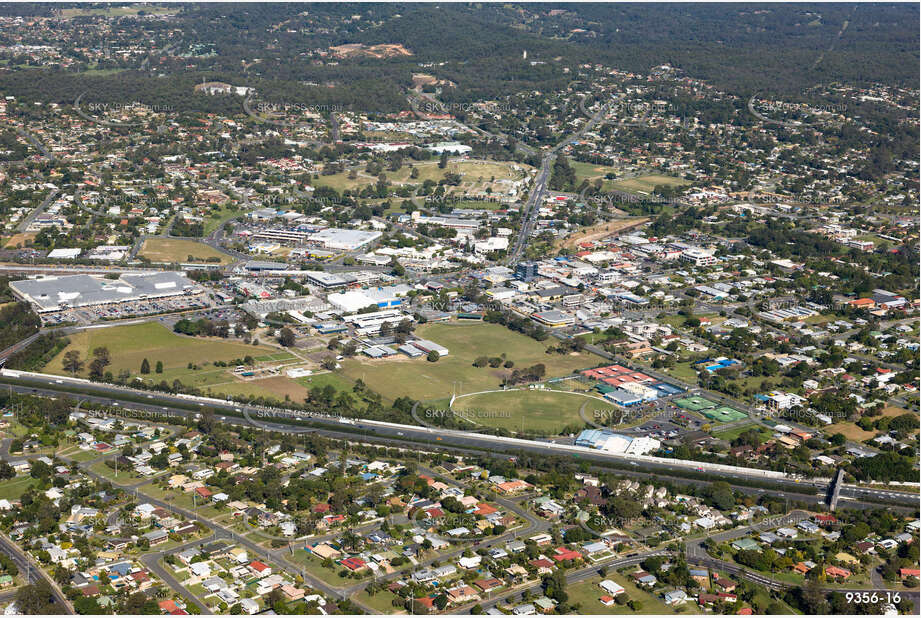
(526, 271)
(449, 147)
(64, 254)
(610, 442)
(623, 397)
(553, 319)
(282, 235)
(70, 291)
(641, 390)
(328, 281)
(343, 240)
(698, 257)
(355, 300)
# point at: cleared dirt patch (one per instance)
(602, 230)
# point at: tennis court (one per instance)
(724, 414)
(694, 403)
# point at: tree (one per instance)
(329, 363)
(36, 599)
(72, 362)
(145, 366)
(159, 367)
(433, 356)
(721, 495)
(102, 353)
(287, 337)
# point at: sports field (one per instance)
(541, 411)
(129, 345)
(591, 171)
(176, 250)
(644, 183)
(398, 376)
(476, 176)
(478, 205)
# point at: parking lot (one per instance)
(90, 315)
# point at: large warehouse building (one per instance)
(58, 293)
(355, 300)
(343, 240)
(610, 442)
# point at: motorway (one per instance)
(848, 492)
(411, 436)
(343, 431)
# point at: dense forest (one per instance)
(783, 49)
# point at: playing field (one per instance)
(645, 183)
(398, 376)
(476, 176)
(478, 205)
(175, 250)
(130, 345)
(590, 171)
(540, 411)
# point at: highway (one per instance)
(413, 435)
(344, 431)
(536, 197)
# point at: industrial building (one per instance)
(610, 442)
(70, 291)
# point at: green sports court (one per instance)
(724, 414)
(694, 403)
